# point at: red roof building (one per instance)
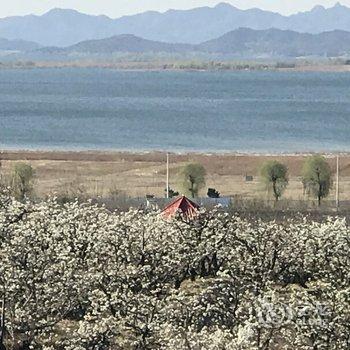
(181, 205)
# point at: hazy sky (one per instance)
(117, 8)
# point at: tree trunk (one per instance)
(193, 274)
(192, 182)
(214, 263)
(2, 324)
(275, 190)
(192, 189)
(319, 195)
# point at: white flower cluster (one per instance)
(77, 276)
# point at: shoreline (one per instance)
(313, 68)
(52, 154)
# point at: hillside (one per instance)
(125, 43)
(62, 28)
(275, 42)
(242, 42)
(17, 45)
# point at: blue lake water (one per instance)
(100, 109)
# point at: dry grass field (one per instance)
(138, 174)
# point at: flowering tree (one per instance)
(76, 276)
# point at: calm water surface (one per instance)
(177, 111)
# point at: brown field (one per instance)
(137, 174)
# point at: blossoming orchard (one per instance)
(77, 276)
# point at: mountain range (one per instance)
(17, 45)
(120, 43)
(283, 43)
(242, 42)
(63, 28)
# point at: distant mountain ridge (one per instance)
(122, 43)
(67, 27)
(276, 42)
(17, 45)
(242, 42)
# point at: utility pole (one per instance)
(337, 186)
(167, 175)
